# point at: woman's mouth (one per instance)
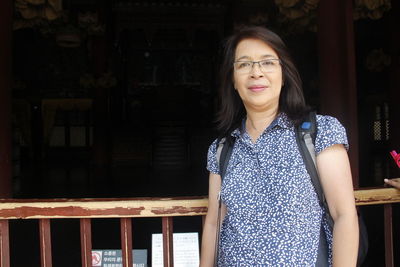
(257, 88)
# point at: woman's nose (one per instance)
(256, 70)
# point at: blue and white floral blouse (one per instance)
(273, 214)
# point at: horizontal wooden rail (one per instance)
(144, 207)
(102, 208)
(376, 196)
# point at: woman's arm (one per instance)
(393, 182)
(210, 225)
(335, 174)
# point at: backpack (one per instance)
(306, 133)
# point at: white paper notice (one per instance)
(186, 250)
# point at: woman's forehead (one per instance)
(250, 48)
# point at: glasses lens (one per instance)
(269, 65)
(243, 66)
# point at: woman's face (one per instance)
(259, 85)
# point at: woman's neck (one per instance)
(257, 122)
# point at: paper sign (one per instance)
(113, 258)
(186, 250)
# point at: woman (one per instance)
(271, 214)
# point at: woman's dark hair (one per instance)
(291, 100)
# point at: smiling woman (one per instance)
(268, 47)
(270, 212)
(259, 89)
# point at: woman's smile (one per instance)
(257, 88)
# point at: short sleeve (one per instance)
(212, 165)
(330, 132)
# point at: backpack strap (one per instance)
(306, 133)
(224, 152)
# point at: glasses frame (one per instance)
(254, 62)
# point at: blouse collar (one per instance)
(281, 120)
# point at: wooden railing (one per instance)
(125, 209)
(385, 197)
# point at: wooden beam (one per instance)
(45, 243)
(388, 222)
(103, 208)
(6, 11)
(86, 242)
(145, 207)
(337, 71)
(126, 241)
(4, 244)
(377, 196)
(168, 236)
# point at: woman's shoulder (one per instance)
(327, 121)
(214, 144)
(212, 164)
(329, 132)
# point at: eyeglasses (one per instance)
(267, 65)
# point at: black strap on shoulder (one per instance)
(224, 152)
(225, 155)
(306, 133)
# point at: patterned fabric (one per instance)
(273, 214)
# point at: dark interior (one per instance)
(117, 98)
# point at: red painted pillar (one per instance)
(6, 11)
(394, 91)
(338, 92)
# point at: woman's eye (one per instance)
(267, 62)
(244, 64)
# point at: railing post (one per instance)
(389, 261)
(86, 242)
(168, 249)
(45, 243)
(4, 244)
(126, 242)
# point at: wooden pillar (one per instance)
(394, 90)
(338, 92)
(6, 11)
